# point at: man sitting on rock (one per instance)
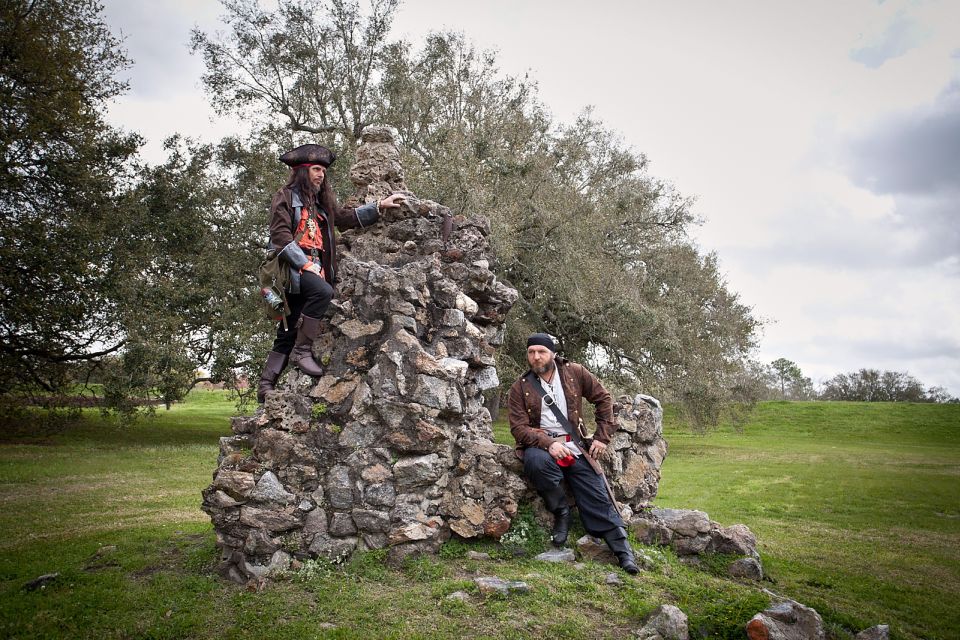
(546, 421)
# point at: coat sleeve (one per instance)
(524, 432)
(595, 393)
(281, 234)
(362, 216)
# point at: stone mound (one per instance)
(392, 446)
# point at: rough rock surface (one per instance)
(392, 446)
(557, 555)
(877, 632)
(692, 533)
(636, 453)
(667, 622)
(787, 620)
(489, 585)
(749, 568)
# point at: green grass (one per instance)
(856, 508)
(856, 505)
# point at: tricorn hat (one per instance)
(307, 154)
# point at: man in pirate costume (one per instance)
(303, 215)
(545, 409)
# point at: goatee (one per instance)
(547, 368)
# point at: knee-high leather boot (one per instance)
(302, 355)
(276, 362)
(616, 539)
(555, 500)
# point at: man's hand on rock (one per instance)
(597, 449)
(392, 201)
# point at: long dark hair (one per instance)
(300, 182)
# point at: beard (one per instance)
(542, 370)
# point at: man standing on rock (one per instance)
(546, 421)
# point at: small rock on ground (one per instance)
(787, 620)
(877, 632)
(557, 555)
(492, 584)
(748, 568)
(41, 581)
(666, 623)
(478, 555)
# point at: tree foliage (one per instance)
(62, 169)
(793, 384)
(597, 247)
(873, 385)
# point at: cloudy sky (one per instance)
(821, 140)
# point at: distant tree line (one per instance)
(782, 379)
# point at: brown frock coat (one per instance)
(281, 231)
(578, 384)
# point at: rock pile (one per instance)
(392, 446)
(636, 452)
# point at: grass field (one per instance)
(857, 509)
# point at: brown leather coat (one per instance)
(281, 230)
(578, 384)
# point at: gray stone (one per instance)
(335, 549)
(487, 379)
(613, 579)
(41, 582)
(461, 596)
(371, 521)
(690, 546)
(667, 622)
(557, 555)
(380, 495)
(453, 318)
(341, 525)
(437, 393)
(749, 568)
(279, 561)
(415, 471)
(270, 519)
(259, 543)
(339, 488)
(315, 522)
(493, 585)
(269, 489)
(877, 632)
(478, 555)
(684, 522)
(787, 620)
(736, 539)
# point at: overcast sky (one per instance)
(821, 140)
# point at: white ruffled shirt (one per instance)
(548, 421)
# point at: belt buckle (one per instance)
(549, 401)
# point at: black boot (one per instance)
(302, 355)
(555, 500)
(616, 539)
(276, 362)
